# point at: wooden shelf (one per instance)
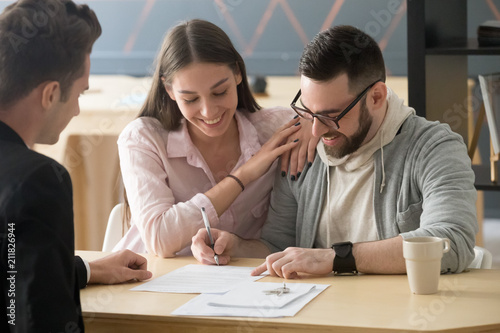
(483, 180)
(462, 47)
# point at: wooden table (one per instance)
(368, 303)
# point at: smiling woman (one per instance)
(201, 141)
(207, 97)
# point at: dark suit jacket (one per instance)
(40, 276)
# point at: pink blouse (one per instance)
(165, 177)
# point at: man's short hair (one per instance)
(43, 40)
(343, 49)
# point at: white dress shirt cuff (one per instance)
(87, 266)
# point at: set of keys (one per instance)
(278, 291)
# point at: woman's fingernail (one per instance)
(296, 140)
(298, 174)
(297, 124)
(293, 177)
(309, 164)
(296, 117)
(283, 173)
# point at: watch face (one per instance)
(342, 249)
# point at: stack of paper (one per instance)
(252, 300)
(488, 33)
(232, 291)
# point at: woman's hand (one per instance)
(281, 142)
(296, 158)
(224, 242)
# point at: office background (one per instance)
(270, 34)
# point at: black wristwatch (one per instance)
(344, 262)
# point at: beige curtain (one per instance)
(93, 164)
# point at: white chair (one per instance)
(115, 229)
(482, 258)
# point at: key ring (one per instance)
(278, 291)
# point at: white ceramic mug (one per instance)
(423, 262)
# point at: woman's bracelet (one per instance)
(238, 181)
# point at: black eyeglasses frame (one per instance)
(327, 119)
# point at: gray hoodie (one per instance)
(429, 191)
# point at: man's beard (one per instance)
(350, 144)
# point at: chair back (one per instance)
(115, 229)
(482, 259)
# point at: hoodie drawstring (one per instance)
(382, 185)
(328, 203)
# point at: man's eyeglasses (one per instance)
(327, 120)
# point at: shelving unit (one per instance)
(438, 49)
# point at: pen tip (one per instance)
(216, 257)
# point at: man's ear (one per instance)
(378, 95)
(51, 93)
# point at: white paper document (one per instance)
(200, 279)
(252, 300)
(257, 295)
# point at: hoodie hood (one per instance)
(395, 116)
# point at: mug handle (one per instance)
(446, 242)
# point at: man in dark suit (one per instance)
(44, 67)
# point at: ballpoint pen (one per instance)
(207, 225)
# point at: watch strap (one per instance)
(344, 262)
